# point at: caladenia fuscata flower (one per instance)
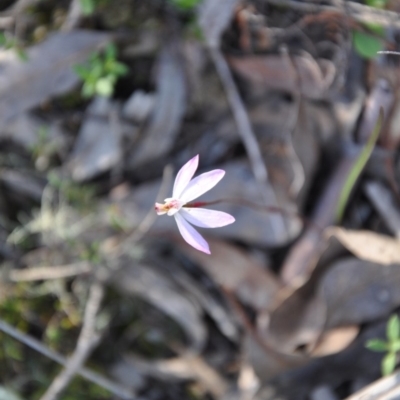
(187, 214)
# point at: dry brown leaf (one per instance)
(169, 108)
(357, 291)
(296, 324)
(335, 340)
(98, 145)
(350, 291)
(269, 363)
(298, 74)
(369, 246)
(222, 316)
(144, 281)
(236, 271)
(47, 72)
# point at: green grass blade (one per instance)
(358, 168)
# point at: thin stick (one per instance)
(94, 377)
(73, 17)
(241, 117)
(50, 272)
(389, 52)
(87, 340)
(247, 135)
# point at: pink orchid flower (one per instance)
(187, 189)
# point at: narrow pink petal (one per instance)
(190, 235)
(184, 176)
(206, 218)
(201, 184)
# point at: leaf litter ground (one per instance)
(102, 299)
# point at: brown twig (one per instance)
(53, 272)
(94, 377)
(87, 340)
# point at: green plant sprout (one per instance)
(43, 149)
(80, 196)
(100, 73)
(185, 4)
(358, 168)
(391, 347)
(368, 45)
(88, 7)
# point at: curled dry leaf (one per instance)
(299, 74)
(295, 326)
(47, 72)
(349, 291)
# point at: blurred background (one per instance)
(102, 102)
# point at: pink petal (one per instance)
(190, 235)
(184, 176)
(206, 218)
(201, 184)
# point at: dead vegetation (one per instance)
(101, 103)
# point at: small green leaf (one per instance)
(81, 71)
(3, 39)
(395, 346)
(358, 168)
(378, 29)
(393, 328)
(367, 46)
(105, 87)
(119, 69)
(377, 3)
(88, 90)
(185, 4)
(388, 363)
(377, 345)
(22, 54)
(88, 6)
(110, 52)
